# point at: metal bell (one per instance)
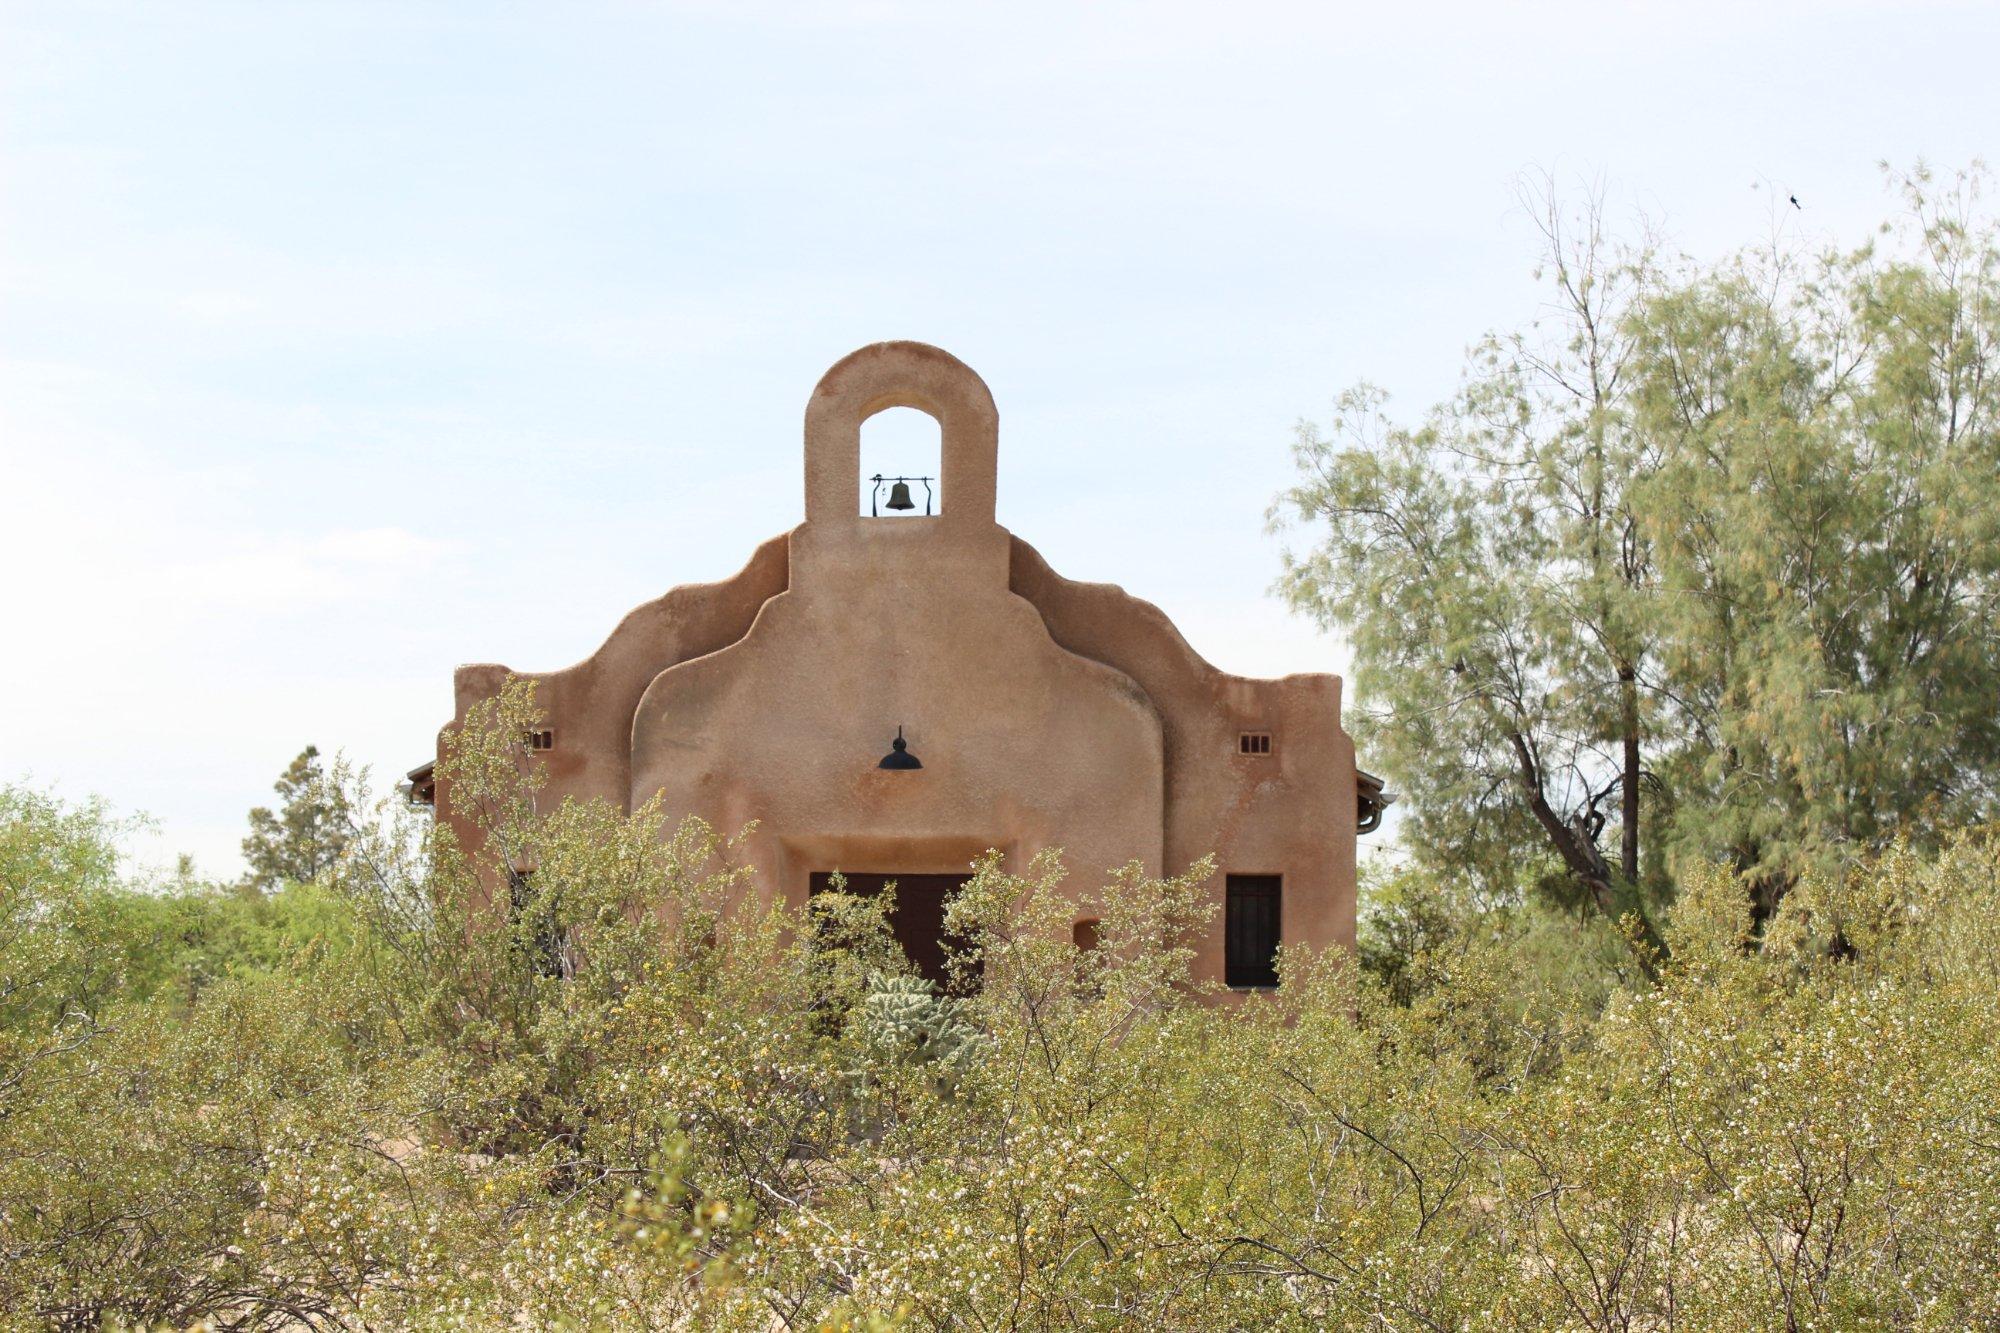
(899, 496)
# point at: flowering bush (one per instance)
(629, 1090)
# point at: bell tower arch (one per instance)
(901, 453)
(902, 374)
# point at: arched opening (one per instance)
(901, 445)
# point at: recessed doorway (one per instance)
(917, 920)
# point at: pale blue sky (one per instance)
(343, 342)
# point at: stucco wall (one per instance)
(1291, 812)
(1046, 712)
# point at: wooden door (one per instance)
(917, 920)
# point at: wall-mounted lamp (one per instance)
(899, 756)
(899, 494)
(1374, 801)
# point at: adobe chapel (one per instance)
(892, 688)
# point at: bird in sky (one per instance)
(1796, 204)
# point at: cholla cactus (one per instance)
(904, 1018)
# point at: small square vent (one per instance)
(1254, 742)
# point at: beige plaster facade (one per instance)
(1045, 713)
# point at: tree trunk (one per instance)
(1628, 707)
(1579, 852)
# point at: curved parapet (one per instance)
(1023, 745)
(590, 705)
(1104, 622)
(1259, 772)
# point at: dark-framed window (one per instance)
(1252, 912)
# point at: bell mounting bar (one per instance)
(899, 494)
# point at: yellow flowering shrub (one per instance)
(636, 1094)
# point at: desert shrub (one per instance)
(632, 1091)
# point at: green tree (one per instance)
(1490, 569)
(1825, 515)
(56, 863)
(1707, 553)
(303, 838)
